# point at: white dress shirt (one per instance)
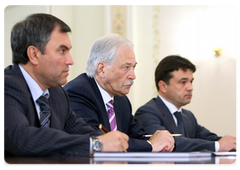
(105, 96)
(35, 89)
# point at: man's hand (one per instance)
(114, 141)
(227, 143)
(162, 141)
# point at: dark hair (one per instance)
(35, 30)
(169, 64)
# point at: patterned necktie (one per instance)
(179, 122)
(45, 111)
(111, 116)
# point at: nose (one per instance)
(132, 74)
(69, 60)
(190, 86)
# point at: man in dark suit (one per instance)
(35, 125)
(173, 78)
(110, 74)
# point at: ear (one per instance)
(33, 54)
(162, 86)
(101, 69)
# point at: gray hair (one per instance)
(104, 49)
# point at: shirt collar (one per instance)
(35, 89)
(170, 106)
(106, 97)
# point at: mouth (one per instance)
(66, 71)
(189, 95)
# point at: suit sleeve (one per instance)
(24, 138)
(149, 117)
(202, 132)
(82, 102)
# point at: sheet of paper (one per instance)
(224, 153)
(151, 154)
(148, 159)
(151, 157)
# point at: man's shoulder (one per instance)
(81, 85)
(12, 70)
(8, 70)
(149, 106)
(13, 77)
(151, 103)
(81, 80)
(187, 112)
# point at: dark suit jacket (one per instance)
(86, 100)
(23, 134)
(155, 115)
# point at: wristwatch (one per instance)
(96, 144)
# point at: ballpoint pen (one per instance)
(104, 130)
(171, 134)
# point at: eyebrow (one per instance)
(130, 64)
(186, 79)
(65, 47)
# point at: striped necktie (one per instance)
(111, 116)
(45, 111)
(179, 122)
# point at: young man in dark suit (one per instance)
(173, 78)
(109, 77)
(38, 120)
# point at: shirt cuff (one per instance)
(217, 146)
(90, 144)
(150, 143)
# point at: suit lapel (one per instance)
(117, 114)
(186, 124)
(54, 119)
(101, 104)
(33, 118)
(167, 116)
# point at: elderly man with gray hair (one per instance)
(99, 95)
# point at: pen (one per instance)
(172, 135)
(104, 130)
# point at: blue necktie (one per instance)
(45, 111)
(179, 122)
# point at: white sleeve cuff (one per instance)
(149, 143)
(217, 146)
(90, 148)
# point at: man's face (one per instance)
(54, 64)
(179, 90)
(120, 75)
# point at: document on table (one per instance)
(224, 153)
(152, 156)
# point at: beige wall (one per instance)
(191, 31)
(13, 14)
(84, 31)
(158, 31)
